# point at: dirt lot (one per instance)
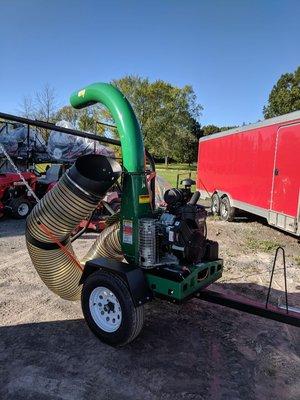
(193, 351)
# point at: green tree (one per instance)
(70, 114)
(42, 106)
(86, 119)
(166, 113)
(210, 129)
(285, 95)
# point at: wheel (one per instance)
(109, 310)
(227, 212)
(215, 204)
(20, 208)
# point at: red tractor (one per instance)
(14, 195)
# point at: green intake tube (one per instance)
(128, 127)
(135, 202)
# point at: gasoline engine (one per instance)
(178, 235)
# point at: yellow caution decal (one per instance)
(81, 93)
(144, 198)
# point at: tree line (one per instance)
(168, 115)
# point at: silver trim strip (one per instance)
(275, 160)
(298, 217)
(291, 117)
(273, 172)
(262, 212)
(78, 187)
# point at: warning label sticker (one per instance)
(144, 198)
(127, 231)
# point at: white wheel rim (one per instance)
(214, 205)
(23, 209)
(224, 210)
(105, 309)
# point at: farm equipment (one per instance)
(14, 195)
(144, 251)
(47, 182)
(21, 147)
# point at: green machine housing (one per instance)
(166, 249)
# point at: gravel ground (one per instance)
(194, 351)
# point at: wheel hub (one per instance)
(23, 209)
(105, 309)
(224, 210)
(109, 306)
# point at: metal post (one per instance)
(285, 280)
(28, 143)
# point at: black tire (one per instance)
(20, 208)
(132, 318)
(215, 204)
(227, 212)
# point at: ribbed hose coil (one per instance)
(106, 245)
(56, 215)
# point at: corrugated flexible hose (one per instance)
(53, 219)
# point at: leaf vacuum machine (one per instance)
(143, 253)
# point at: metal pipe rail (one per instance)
(53, 127)
(250, 306)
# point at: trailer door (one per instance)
(285, 190)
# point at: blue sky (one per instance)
(230, 51)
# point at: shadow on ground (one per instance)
(12, 227)
(193, 351)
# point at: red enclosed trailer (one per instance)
(255, 168)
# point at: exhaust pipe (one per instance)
(53, 219)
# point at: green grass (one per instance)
(170, 173)
(266, 246)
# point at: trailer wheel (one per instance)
(109, 310)
(215, 204)
(227, 212)
(20, 208)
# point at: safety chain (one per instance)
(19, 173)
